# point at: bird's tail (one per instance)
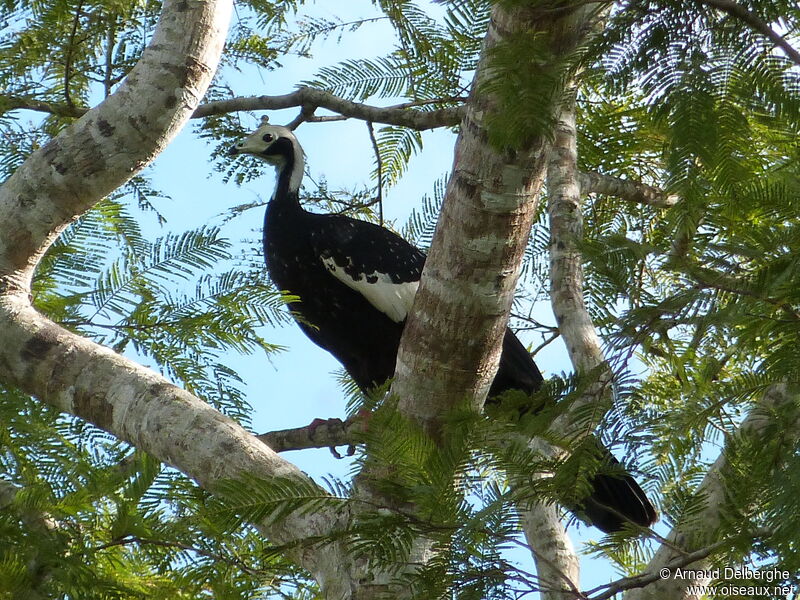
(617, 500)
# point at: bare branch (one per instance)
(305, 96)
(556, 561)
(309, 99)
(320, 433)
(306, 114)
(604, 592)
(71, 42)
(632, 191)
(452, 340)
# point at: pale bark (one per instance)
(451, 344)
(63, 179)
(310, 99)
(632, 191)
(565, 209)
(113, 141)
(451, 347)
(557, 564)
(306, 98)
(320, 433)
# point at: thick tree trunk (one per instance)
(451, 344)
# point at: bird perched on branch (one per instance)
(356, 282)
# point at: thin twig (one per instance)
(645, 579)
(68, 57)
(109, 70)
(379, 164)
(124, 541)
(546, 343)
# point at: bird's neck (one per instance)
(290, 175)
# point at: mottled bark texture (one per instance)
(63, 179)
(113, 141)
(451, 345)
(320, 433)
(565, 207)
(557, 564)
(452, 340)
(632, 191)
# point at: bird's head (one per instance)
(271, 143)
(277, 146)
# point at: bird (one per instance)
(354, 284)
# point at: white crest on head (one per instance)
(392, 299)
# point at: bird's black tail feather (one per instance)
(617, 500)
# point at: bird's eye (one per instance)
(267, 137)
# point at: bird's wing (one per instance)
(373, 261)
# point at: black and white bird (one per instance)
(356, 282)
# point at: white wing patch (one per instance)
(392, 299)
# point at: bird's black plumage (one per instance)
(355, 282)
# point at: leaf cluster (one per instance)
(90, 518)
(700, 298)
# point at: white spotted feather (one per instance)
(392, 299)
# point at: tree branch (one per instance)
(557, 564)
(305, 97)
(327, 433)
(632, 191)
(63, 179)
(566, 232)
(70, 47)
(8, 103)
(605, 592)
(755, 23)
(575, 325)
